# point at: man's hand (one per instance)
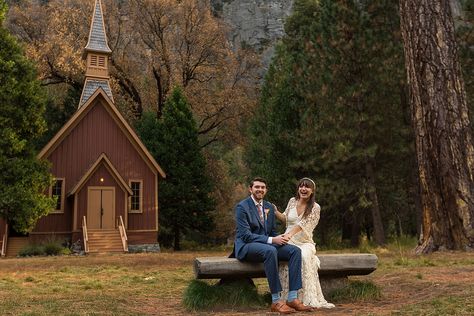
(280, 239)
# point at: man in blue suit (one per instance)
(257, 241)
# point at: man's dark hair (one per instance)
(259, 179)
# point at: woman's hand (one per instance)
(279, 215)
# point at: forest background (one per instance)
(332, 106)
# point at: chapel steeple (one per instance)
(97, 53)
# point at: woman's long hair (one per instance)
(310, 184)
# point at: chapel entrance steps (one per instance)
(15, 244)
(105, 241)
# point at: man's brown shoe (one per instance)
(299, 306)
(282, 308)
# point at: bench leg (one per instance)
(329, 284)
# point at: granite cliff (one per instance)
(255, 23)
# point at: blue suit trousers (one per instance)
(270, 255)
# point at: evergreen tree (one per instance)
(274, 130)
(56, 115)
(185, 202)
(23, 178)
(332, 105)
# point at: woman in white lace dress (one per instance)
(301, 217)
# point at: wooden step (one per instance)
(103, 237)
(15, 244)
(103, 246)
(103, 241)
(119, 248)
(111, 249)
(106, 251)
(102, 232)
(97, 233)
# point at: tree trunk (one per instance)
(346, 229)
(355, 231)
(176, 245)
(443, 139)
(379, 234)
(161, 94)
(129, 88)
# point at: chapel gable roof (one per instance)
(97, 96)
(103, 159)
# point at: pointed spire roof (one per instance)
(97, 51)
(97, 38)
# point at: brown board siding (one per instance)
(137, 238)
(57, 222)
(96, 133)
(64, 239)
(135, 219)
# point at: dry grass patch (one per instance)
(154, 284)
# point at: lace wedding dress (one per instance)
(310, 294)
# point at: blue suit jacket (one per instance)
(249, 227)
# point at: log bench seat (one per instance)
(333, 274)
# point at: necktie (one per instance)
(259, 207)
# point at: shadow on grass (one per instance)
(200, 296)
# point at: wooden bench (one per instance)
(333, 274)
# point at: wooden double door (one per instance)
(101, 208)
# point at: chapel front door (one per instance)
(101, 208)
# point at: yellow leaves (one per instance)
(54, 35)
(156, 45)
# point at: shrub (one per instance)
(31, 250)
(65, 251)
(52, 248)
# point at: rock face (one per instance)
(254, 23)
(259, 24)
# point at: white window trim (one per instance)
(63, 188)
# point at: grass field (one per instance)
(153, 284)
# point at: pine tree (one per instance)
(274, 129)
(23, 178)
(56, 115)
(337, 80)
(185, 202)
